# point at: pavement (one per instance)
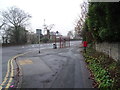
(55, 68)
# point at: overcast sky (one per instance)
(62, 13)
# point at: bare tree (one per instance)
(16, 19)
(2, 25)
(81, 20)
(15, 16)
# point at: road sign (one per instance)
(38, 31)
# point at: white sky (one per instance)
(62, 13)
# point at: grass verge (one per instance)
(105, 72)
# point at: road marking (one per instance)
(5, 79)
(23, 62)
(11, 75)
(10, 63)
(10, 80)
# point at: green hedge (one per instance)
(103, 22)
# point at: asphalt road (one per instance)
(55, 68)
(9, 52)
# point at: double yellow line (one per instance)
(7, 74)
(10, 71)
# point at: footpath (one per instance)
(55, 68)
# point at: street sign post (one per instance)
(38, 32)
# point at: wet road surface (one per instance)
(55, 68)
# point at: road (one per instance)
(55, 68)
(9, 52)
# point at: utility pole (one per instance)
(44, 26)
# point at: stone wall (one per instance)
(111, 49)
